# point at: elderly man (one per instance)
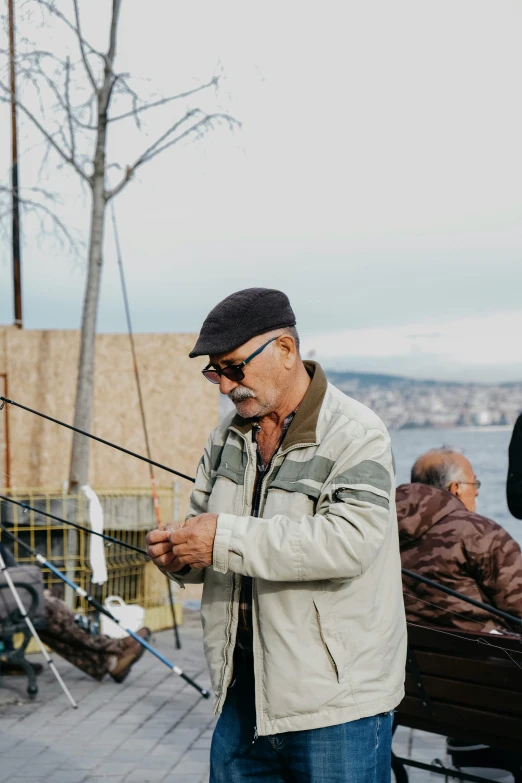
(442, 538)
(292, 530)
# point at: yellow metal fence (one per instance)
(128, 515)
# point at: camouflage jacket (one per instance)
(441, 540)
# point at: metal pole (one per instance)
(155, 498)
(15, 193)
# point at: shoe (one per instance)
(132, 652)
(10, 669)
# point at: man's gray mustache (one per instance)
(240, 394)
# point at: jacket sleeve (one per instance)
(514, 479)
(495, 561)
(198, 504)
(339, 541)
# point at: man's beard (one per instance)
(241, 393)
(240, 396)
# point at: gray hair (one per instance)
(291, 330)
(438, 468)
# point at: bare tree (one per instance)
(89, 96)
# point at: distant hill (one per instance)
(403, 402)
(363, 379)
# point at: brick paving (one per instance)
(153, 727)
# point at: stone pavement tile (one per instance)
(98, 779)
(37, 771)
(79, 761)
(114, 768)
(163, 761)
(8, 770)
(146, 775)
(18, 779)
(23, 750)
(101, 779)
(180, 777)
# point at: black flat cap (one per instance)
(240, 317)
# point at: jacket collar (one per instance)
(303, 428)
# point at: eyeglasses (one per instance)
(234, 372)
(476, 484)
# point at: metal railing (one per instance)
(128, 515)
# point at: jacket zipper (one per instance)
(227, 645)
(262, 501)
(231, 604)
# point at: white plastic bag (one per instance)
(130, 615)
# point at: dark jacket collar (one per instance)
(303, 428)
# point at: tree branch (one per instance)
(62, 153)
(162, 101)
(158, 147)
(68, 110)
(90, 74)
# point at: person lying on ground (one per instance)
(443, 538)
(96, 655)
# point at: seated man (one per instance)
(442, 538)
(95, 655)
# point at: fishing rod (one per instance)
(417, 577)
(32, 629)
(486, 607)
(100, 608)
(406, 572)
(130, 331)
(111, 539)
(6, 401)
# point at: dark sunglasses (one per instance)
(234, 372)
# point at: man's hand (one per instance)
(159, 549)
(193, 544)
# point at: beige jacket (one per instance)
(328, 613)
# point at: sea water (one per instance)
(487, 450)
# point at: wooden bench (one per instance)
(464, 686)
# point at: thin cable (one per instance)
(441, 608)
(468, 639)
(95, 437)
(155, 498)
(113, 540)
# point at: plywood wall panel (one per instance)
(181, 406)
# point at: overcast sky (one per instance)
(376, 179)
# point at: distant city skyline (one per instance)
(376, 180)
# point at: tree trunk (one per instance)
(79, 470)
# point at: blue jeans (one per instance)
(355, 752)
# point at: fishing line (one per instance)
(102, 609)
(441, 608)
(467, 639)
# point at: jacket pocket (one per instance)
(330, 636)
